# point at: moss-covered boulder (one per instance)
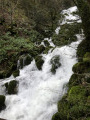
(81, 67)
(2, 102)
(27, 60)
(11, 87)
(55, 63)
(77, 95)
(24, 60)
(39, 62)
(16, 73)
(63, 108)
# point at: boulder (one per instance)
(11, 87)
(55, 62)
(39, 62)
(16, 73)
(2, 102)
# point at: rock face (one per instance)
(11, 87)
(39, 62)
(2, 102)
(55, 61)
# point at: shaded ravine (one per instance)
(39, 91)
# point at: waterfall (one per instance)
(39, 91)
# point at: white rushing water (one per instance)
(39, 91)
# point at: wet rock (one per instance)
(55, 61)
(24, 60)
(16, 73)
(2, 119)
(2, 102)
(39, 62)
(11, 87)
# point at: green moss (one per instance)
(16, 73)
(2, 102)
(77, 95)
(39, 62)
(86, 57)
(81, 67)
(56, 117)
(63, 108)
(12, 87)
(76, 79)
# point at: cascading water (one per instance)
(39, 91)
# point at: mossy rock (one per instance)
(63, 108)
(86, 57)
(46, 43)
(55, 62)
(39, 62)
(78, 111)
(83, 47)
(27, 60)
(16, 73)
(77, 95)
(76, 79)
(12, 87)
(56, 116)
(81, 67)
(2, 102)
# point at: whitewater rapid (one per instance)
(39, 91)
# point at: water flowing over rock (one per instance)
(40, 90)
